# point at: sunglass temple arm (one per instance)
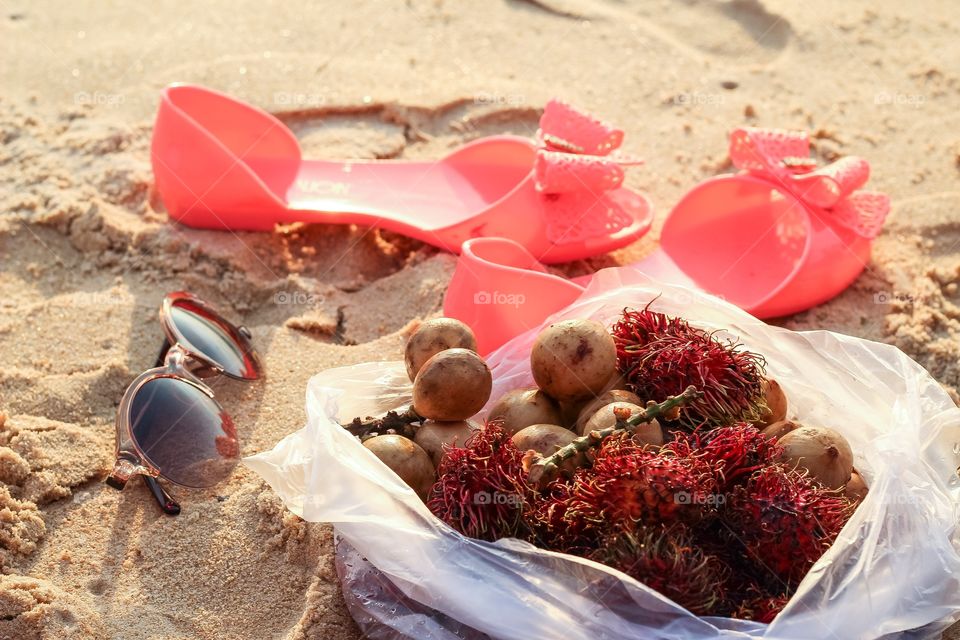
(170, 506)
(162, 356)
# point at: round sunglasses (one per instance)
(169, 425)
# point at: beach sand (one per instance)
(87, 252)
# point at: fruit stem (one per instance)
(392, 422)
(543, 470)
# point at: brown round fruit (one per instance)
(779, 429)
(452, 385)
(604, 418)
(407, 459)
(433, 436)
(823, 452)
(776, 401)
(545, 439)
(605, 398)
(521, 408)
(569, 410)
(573, 359)
(434, 336)
(856, 488)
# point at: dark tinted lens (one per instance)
(208, 334)
(183, 432)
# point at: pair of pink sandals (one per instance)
(780, 236)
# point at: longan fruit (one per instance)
(434, 336)
(521, 408)
(573, 359)
(452, 385)
(407, 459)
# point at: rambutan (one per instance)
(785, 520)
(735, 451)
(550, 525)
(760, 606)
(629, 483)
(660, 356)
(481, 489)
(665, 558)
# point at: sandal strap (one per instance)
(783, 157)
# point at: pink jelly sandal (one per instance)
(779, 237)
(222, 164)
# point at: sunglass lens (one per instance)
(183, 432)
(207, 333)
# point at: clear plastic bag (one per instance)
(892, 573)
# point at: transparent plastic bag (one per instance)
(892, 573)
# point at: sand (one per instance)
(87, 251)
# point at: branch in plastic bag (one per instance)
(543, 470)
(392, 422)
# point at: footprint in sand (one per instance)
(391, 130)
(737, 32)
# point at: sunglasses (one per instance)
(169, 425)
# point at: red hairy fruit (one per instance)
(630, 483)
(660, 356)
(665, 558)
(481, 489)
(785, 520)
(761, 607)
(735, 451)
(553, 526)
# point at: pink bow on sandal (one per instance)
(578, 176)
(783, 157)
(575, 152)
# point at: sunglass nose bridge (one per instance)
(176, 358)
(185, 362)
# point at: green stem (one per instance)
(543, 470)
